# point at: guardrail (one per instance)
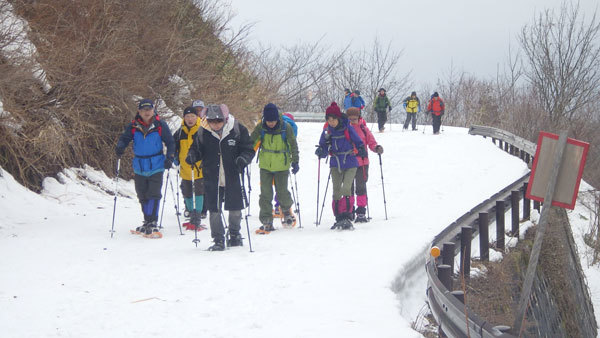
(447, 305)
(308, 117)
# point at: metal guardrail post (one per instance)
(465, 251)
(500, 226)
(527, 158)
(445, 275)
(500, 144)
(506, 145)
(484, 238)
(514, 205)
(526, 203)
(459, 295)
(448, 255)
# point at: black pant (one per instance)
(410, 116)
(217, 229)
(381, 119)
(436, 123)
(148, 190)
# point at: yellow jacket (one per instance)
(183, 140)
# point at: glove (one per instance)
(379, 149)
(119, 151)
(241, 163)
(176, 162)
(362, 152)
(295, 167)
(168, 163)
(191, 158)
(320, 152)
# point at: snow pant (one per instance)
(186, 191)
(217, 229)
(359, 187)
(148, 190)
(343, 199)
(381, 119)
(413, 117)
(436, 123)
(280, 180)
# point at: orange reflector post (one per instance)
(435, 252)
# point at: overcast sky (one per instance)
(472, 34)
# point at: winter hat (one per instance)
(435, 94)
(190, 110)
(198, 103)
(380, 89)
(145, 103)
(353, 111)
(270, 112)
(333, 110)
(214, 112)
(413, 94)
(357, 92)
(346, 91)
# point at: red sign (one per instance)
(569, 176)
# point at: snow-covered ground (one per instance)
(62, 274)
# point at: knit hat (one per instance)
(270, 112)
(145, 103)
(380, 89)
(357, 92)
(353, 111)
(435, 94)
(198, 103)
(413, 94)
(333, 110)
(347, 91)
(190, 110)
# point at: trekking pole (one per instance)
(383, 187)
(195, 240)
(164, 198)
(366, 194)
(318, 184)
(247, 202)
(176, 206)
(298, 201)
(249, 188)
(324, 197)
(112, 229)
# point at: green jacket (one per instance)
(381, 103)
(275, 154)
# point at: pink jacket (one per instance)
(366, 136)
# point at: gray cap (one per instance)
(198, 103)
(214, 112)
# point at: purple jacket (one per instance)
(341, 149)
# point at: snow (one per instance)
(63, 275)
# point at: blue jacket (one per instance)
(340, 142)
(347, 101)
(148, 145)
(358, 102)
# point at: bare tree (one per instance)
(564, 60)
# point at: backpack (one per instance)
(289, 118)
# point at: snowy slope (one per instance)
(64, 276)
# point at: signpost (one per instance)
(555, 175)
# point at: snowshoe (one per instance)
(344, 224)
(218, 246)
(288, 220)
(277, 213)
(139, 230)
(235, 240)
(361, 218)
(190, 226)
(152, 231)
(265, 229)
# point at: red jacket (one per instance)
(367, 137)
(436, 106)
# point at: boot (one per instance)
(219, 244)
(277, 212)
(235, 239)
(289, 220)
(361, 216)
(195, 221)
(265, 229)
(151, 230)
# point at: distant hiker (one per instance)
(436, 108)
(357, 100)
(412, 105)
(343, 144)
(225, 149)
(148, 133)
(289, 118)
(184, 137)
(381, 104)
(347, 99)
(362, 173)
(277, 152)
(199, 105)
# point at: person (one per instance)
(277, 152)
(225, 149)
(436, 108)
(148, 133)
(341, 142)
(381, 104)
(357, 100)
(184, 137)
(359, 185)
(199, 105)
(347, 99)
(412, 105)
(289, 118)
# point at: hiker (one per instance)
(343, 144)
(357, 100)
(347, 99)
(148, 133)
(277, 152)
(225, 149)
(289, 118)
(381, 104)
(359, 186)
(199, 105)
(436, 108)
(412, 105)
(184, 137)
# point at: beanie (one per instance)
(435, 94)
(190, 110)
(333, 110)
(270, 112)
(413, 94)
(380, 89)
(353, 111)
